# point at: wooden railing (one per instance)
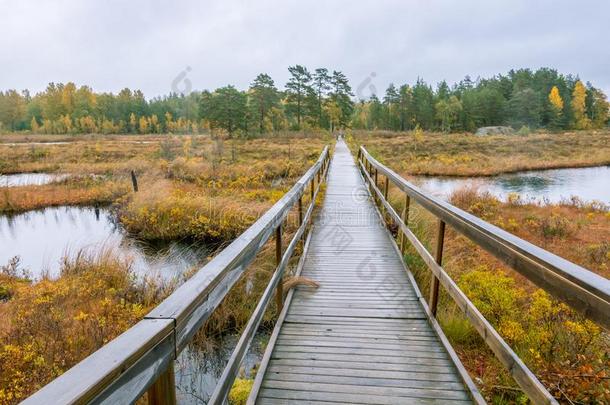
(578, 287)
(141, 359)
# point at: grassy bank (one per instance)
(74, 191)
(435, 154)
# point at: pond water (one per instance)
(198, 371)
(588, 184)
(29, 179)
(42, 238)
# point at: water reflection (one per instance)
(588, 184)
(198, 370)
(42, 238)
(29, 179)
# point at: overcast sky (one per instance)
(110, 45)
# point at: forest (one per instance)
(523, 99)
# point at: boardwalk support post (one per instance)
(163, 391)
(440, 241)
(134, 181)
(385, 188)
(300, 211)
(405, 220)
(279, 292)
(313, 186)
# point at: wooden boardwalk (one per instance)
(363, 336)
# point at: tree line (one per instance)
(314, 99)
(522, 98)
(318, 99)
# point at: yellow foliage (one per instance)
(555, 99)
(579, 95)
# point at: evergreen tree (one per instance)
(375, 119)
(406, 108)
(342, 95)
(227, 109)
(391, 102)
(297, 89)
(264, 96)
(525, 108)
(423, 104)
(321, 85)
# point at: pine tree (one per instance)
(341, 94)
(525, 109)
(228, 109)
(264, 97)
(391, 102)
(297, 88)
(320, 84)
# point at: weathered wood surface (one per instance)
(363, 335)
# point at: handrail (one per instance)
(231, 369)
(141, 358)
(577, 286)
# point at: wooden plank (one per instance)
(322, 341)
(362, 363)
(367, 390)
(350, 398)
(428, 363)
(375, 380)
(367, 372)
(355, 351)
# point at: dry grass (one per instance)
(69, 192)
(50, 325)
(469, 155)
(190, 186)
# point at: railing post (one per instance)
(300, 210)
(279, 291)
(312, 188)
(405, 220)
(163, 391)
(385, 188)
(440, 241)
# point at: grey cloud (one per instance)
(145, 44)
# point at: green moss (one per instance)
(240, 391)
